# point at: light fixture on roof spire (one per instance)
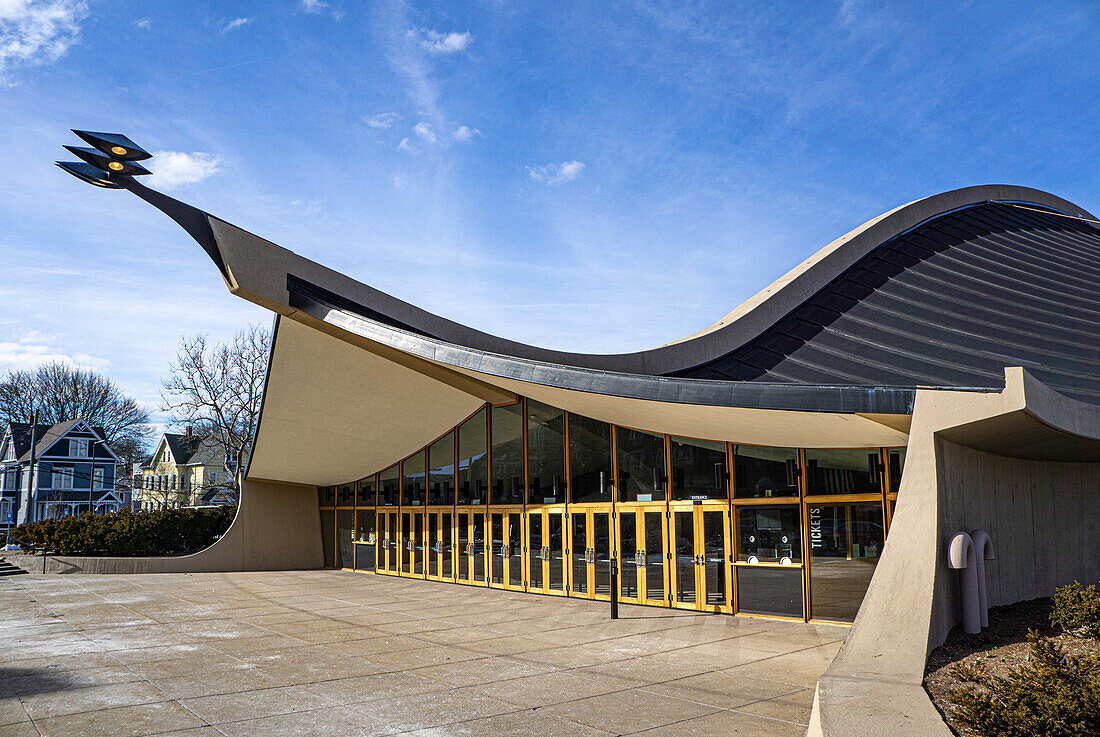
(112, 155)
(115, 145)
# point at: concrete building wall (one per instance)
(1043, 518)
(276, 528)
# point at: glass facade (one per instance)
(545, 454)
(507, 454)
(843, 472)
(529, 497)
(641, 459)
(698, 469)
(441, 474)
(590, 479)
(473, 459)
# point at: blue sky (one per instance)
(600, 176)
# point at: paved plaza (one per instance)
(337, 653)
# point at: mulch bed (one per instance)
(1001, 646)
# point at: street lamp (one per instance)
(111, 156)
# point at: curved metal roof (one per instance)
(946, 292)
(951, 302)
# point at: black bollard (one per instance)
(614, 589)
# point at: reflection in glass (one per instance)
(345, 495)
(589, 460)
(473, 460)
(579, 553)
(842, 472)
(328, 537)
(654, 557)
(641, 465)
(535, 546)
(412, 480)
(761, 472)
(515, 550)
(685, 556)
(445, 544)
(507, 454)
(714, 558)
(698, 469)
(895, 459)
(628, 555)
(601, 533)
(845, 541)
(366, 538)
(769, 590)
(499, 553)
(326, 496)
(441, 476)
(769, 534)
(429, 546)
(556, 542)
(465, 552)
(367, 489)
(389, 487)
(545, 454)
(479, 547)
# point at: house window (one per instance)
(97, 478)
(78, 448)
(62, 478)
(213, 477)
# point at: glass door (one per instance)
(469, 550)
(390, 550)
(438, 546)
(641, 549)
(506, 546)
(590, 554)
(412, 549)
(464, 554)
(701, 558)
(546, 534)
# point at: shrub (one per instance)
(1053, 694)
(1077, 610)
(164, 532)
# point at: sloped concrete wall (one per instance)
(276, 528)
(1043, 517)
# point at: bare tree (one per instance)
(60, 392)
(216, 389)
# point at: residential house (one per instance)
(187, 469)
(74, 468)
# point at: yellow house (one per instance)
(186, 470)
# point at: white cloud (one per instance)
(405, 145)
(313, 6)
(382, 120)
(235, 24)
(465, 133)
(566, 171)
(176, 168)
(34, 348)
(425, 132)
(37, 31)
(143, 24)
(435, 42)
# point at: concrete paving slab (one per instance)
(338, 653)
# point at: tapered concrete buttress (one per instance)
(1023, 465)
(276, 528)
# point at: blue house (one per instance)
(73, 467)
